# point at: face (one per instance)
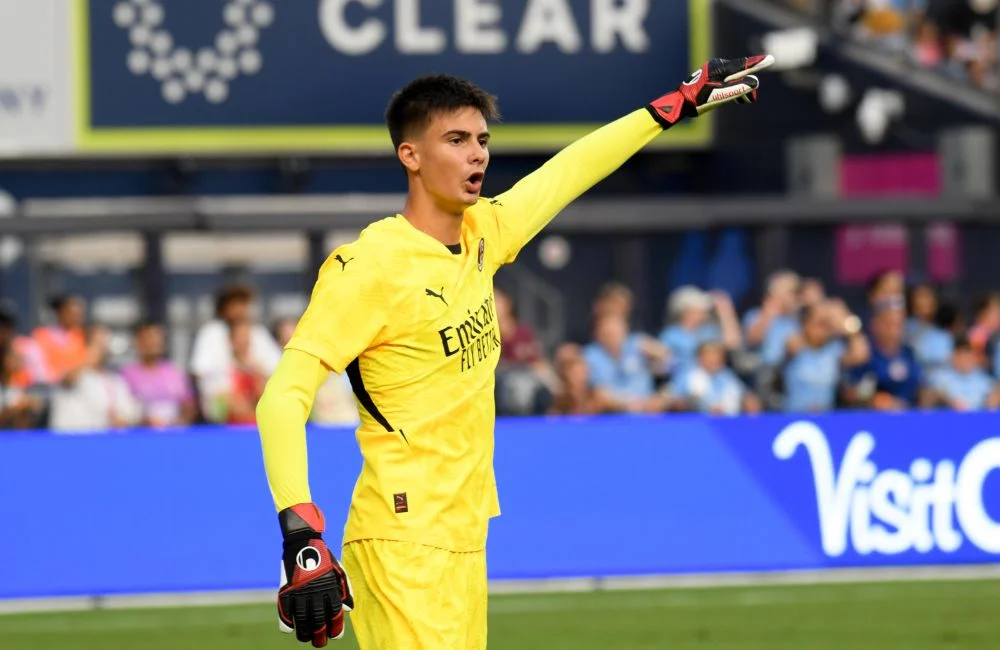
(149, 342)
(236, 310)
(505, 315)
(449, 158)
(693, 317)
(924, 303)
(284, 331)
(610, 333)
(785, 291)
(71, 313)
(712, 358)
(888, 327)
(814, 329)
(811, 292)
(889, 285)
(965, 360)
(239, 335)
(575, 375)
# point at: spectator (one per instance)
(162, 388)
(614, 298)
(284, 329)
(811, 292)
(830, 340)
(965, 386)
(576, 395)
(711, 387)
(21, 407)
(986, 322)
(621, 364)
(235, 393)
(767, 329)
(892, 379)
(63, 345)
(334, 403)
(525, 381)
(93, 397)
(30, 363)
(212, 357)
(689, 314)
(931, 343)
(887, 286)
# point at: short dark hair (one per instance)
(232, 293)
(963, 342)
(145, 324)
(412, 107)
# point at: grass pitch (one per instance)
(878, 616)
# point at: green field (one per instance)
(910, 616)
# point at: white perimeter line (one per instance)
(503, 587)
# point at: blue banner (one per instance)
(190, 510)
(317, 74)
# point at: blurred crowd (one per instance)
(65, 376)
(955, 37)
(798, 350)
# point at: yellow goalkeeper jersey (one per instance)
(413, 324)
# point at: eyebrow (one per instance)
(464, 134)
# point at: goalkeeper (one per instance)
(407, 312)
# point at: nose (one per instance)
(478, 155)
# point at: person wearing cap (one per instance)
(892, 379)
(689, 314)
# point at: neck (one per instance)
(149, 362)
(429, 218)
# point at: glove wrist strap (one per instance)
(301, 521)
(668, 110)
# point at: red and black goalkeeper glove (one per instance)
(717, 82)
(315, 591)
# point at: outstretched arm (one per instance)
(527, 207)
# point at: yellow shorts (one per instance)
(409, 596)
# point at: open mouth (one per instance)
(474, 182)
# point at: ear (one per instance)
(409, 156)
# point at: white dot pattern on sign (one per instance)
(263, 14)
(247, 35)
(226, 42)
(161, 69)
(182, 71)
(194, 81)
(234, 15)
(152, 15)
(173, 91)
(163, 43)
(124, 15)
(183, 59)
(250, 62)
(139, 62)
(207, 59)
(140, 35)
(227, 69)
(216, 91)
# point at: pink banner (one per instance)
(865, 250)
(909, 174)
(942, 253)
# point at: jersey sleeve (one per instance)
(521, 212)
(282, 413)
(347, 310)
